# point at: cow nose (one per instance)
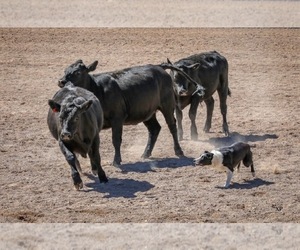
(61, 83)
(65, 136)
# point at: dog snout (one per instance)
(196, 161)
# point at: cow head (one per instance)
(77, 73)
(183, 86)
(69, 115)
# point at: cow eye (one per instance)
(77, 73)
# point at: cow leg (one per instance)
(71, 159)
(192, 116)
(171, 121)
(117, 130)
(77, 164)
(178, 113)
(96, 160)
(252, 170)
(210, 102)
(223, 107)
(153, 131)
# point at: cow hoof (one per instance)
(103, 180)
(180, 154)
(206, 130)
(116, 165)
(253, 174)
(145, 156)
(227, 133)
(78, 186)
(226, 130)
(94, 172)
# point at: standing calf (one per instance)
(75, 119)
(209, 69)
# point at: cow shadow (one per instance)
(115, 188)
(249, 184)
(236, 137)
(152, 163)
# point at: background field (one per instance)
(263, 110)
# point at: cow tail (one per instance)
(229, 92)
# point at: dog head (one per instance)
(204, 159)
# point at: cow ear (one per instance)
(78, 61)
(206, 152)
(54, 106)
(92, 66)
(194, 66)
(85, 106)
(168, 60)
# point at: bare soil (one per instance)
(264, 110)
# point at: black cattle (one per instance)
(209, 69)
(128, 97)
(75, 119)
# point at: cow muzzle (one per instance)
(62, 83)
(65, 136)
(182, 92)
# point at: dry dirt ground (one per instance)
(264, 110)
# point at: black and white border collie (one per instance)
(227, 158)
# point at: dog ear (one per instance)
(210, 155)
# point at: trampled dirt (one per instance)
(264, 110)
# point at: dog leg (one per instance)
(229, 177)
(238, 167)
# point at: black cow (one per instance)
(209, 69)
(128, 97)
(75, 119)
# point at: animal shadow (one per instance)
(249, 184)
(235, 137)
(150, 164)
(126, 188)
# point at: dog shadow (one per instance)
(116, 188)
(249, 184)
(236, 137)
(152, 163)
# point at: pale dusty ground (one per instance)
(150, 13)
(263, 110)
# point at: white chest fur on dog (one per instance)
(217, 161)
